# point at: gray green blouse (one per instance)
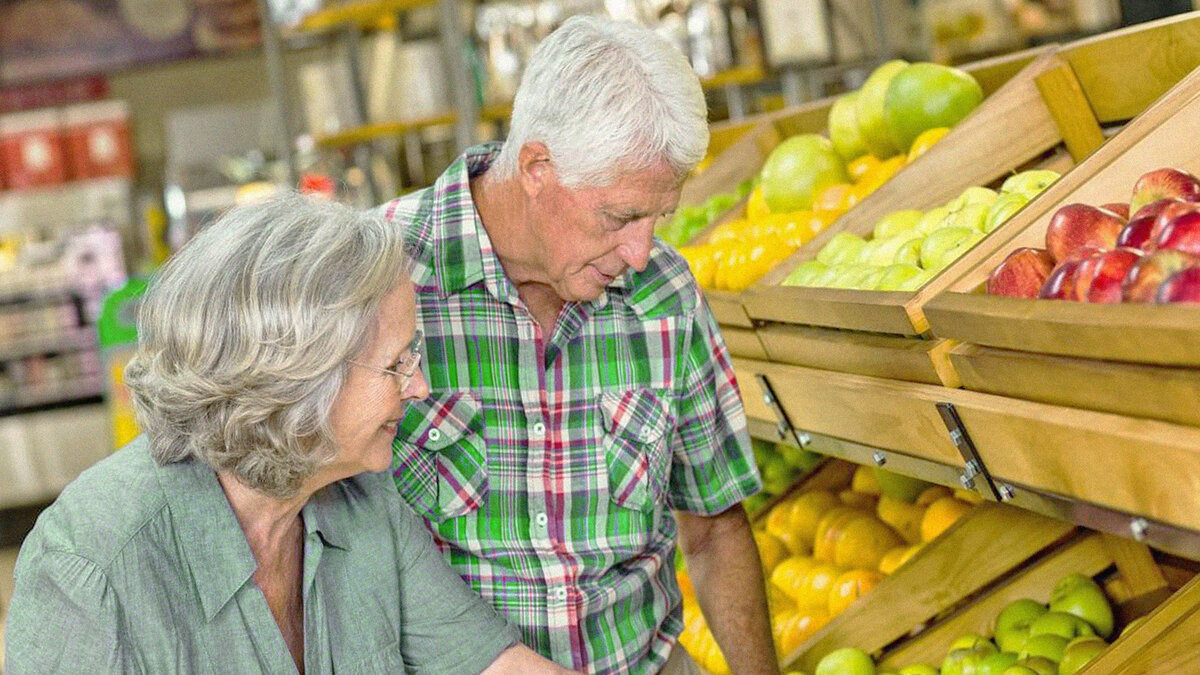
(140, 568)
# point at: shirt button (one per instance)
(435, 435)
(538, 429)
(560, 593)
(541, 520)
(644, 434)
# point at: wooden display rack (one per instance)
(1137, 360)
(1057, 90)
(1013, 554)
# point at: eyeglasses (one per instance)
(405, 369)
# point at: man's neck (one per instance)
(502, 211)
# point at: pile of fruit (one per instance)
(809, 180)
(823, 549)
(780, 466)
(908, 248)
(1100, 254)
(1029, 638)
(689, 221)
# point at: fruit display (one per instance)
(1028, 638)
(908, 248)
(1146, 250)
(809, 180)
(780, 465)
(689, 221)
(822, 549)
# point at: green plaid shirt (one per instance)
(548, 465)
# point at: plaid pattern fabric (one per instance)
(548, 465)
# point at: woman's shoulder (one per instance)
(99, 512)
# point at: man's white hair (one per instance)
(606, 98)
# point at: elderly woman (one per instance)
(249, 530)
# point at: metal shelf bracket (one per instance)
(974, 470)
(784, 428)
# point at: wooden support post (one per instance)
(1141, 581)
(1070, 109)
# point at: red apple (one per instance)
(1119, 208)
(1108, 272)
(1183, 286)
(1156, 207)
(1147, 274)
(1162, 184)
(1136, 233)
(1168, 210)
(1022, 273)
(1181, 234)
(1060, 285)
(1088, 266)
(1077, 225)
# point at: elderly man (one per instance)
(580, 390)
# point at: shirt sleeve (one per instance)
(713, 467)
(65, 617)
(445, 628)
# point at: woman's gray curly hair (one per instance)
(245, 332)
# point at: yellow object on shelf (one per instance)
(365, 13)
(370, 132)
(742, 75)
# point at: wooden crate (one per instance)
(1048, 104)
(872, 354)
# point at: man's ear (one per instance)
(534, 168)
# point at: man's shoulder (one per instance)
(665, 287)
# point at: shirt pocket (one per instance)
(440, 456)
(636, 446)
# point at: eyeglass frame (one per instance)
(415, 352)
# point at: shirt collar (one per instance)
(213, 543)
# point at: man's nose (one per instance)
(634, 250)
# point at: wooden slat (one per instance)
(938, 578)
(361, 12)
(875, 311)
(1167, 643)
(1140, 576)
(887, 414)
(1069, 107)
(1094, 457)
(1086, 556)
(887, 356)
(376, 130)
(743, 342)
(752, 394)
(727, 308)
(1124, 71)
(1137, 390)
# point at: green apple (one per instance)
(894, 276)
(970, 640)
(966, 660)
(934, 219)
(1013, 638)
(1078, 594)
(777, 475)
(1029, 183)
(1039, 665)
(896, 222)
(1019, 612)
(1005, 207)
(805, 272)
(842, 248)
(973, 216)
(801, 460)
(927, 95)
(900, 487)
(956, 661)
(1019, 670)
(871, 281)
(862, 278)
(843, 128)
(937, 245)
(919, 669)
(846, 661)
(910, 251)
(797, 169)
(884, 251)
(1047, 646)
(1079, 652)
(1060, 623)
(869, 109)
(973, 195)
(995, 663)
(959, 250)
(916, 282)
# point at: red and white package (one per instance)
(31, 149)
(98, 139)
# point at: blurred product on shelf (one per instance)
(52, 146)
(117, 328)
(32, 149)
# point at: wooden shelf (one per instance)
(735, 77)
(364, 13)
(378, 130)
